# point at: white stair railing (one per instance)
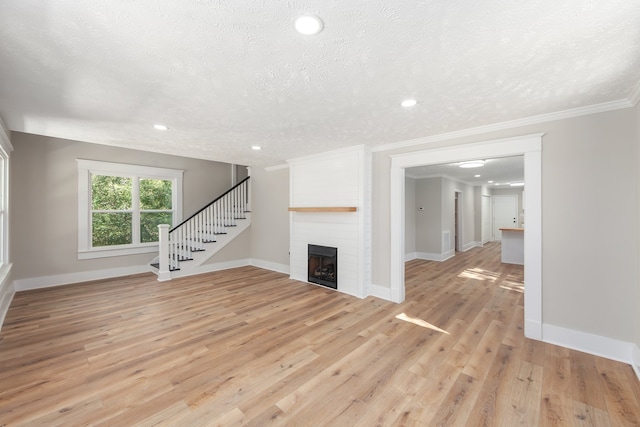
(192, 234)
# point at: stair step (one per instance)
(157, 265)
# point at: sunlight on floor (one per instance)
(419, 322)
(513, 286)
(479, 274)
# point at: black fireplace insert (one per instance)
(323, 266)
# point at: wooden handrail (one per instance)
(209, 204)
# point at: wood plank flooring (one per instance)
(252, 347)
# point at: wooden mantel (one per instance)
(325, 209)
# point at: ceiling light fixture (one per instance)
(408, 102)
(308, 25)
(256, 147)
(160, 127)
(476, 176)
(472, 164)
(517, 184)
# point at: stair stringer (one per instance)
(200, 257)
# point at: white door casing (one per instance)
(486, 219)
(530, 146)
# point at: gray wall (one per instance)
(429, 219)
(589, 262)
(44, 201)
(437, 197)
(270, 217)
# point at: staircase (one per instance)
(190, 244)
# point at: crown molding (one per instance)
(276, 167)
(634, 96)
(5, 137)
(330, 154)
(542, 118)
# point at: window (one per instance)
(120, 207)
(4, 200)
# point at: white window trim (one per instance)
(5, 149)
(88, 167)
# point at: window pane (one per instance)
(155, 194)
(110, 192)
(110, 229)
(149, 222)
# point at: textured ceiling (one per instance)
(225, 75)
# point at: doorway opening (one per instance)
(529, 147)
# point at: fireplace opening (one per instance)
(323, 266)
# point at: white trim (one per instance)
(379, 292)
(109, 251)
(210, 268)
(528, 145)
(83, 276)
(329, 154)
(88, 167)
(276, 167)
(634, 96)
(471, 245)
(5, 137)
(410, 256)
(272, 266)
(429, 256)
(635, 360)
(6, 291)
(597, 345)
(542, 118)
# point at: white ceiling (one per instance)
(225, 75)
(502, 171)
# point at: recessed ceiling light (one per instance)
(472, 164)
(490, 182)
(517, 184)
(256, 147)
(308, 25)
(476, 176)
(160, 127)
(408, 102)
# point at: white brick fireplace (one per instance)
(341, 180)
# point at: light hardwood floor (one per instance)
(251, 347)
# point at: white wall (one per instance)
(589, 273)
(336, 179)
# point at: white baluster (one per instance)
(163, 241)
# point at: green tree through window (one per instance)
(155, 207)
(116, 215)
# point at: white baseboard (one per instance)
(597, 345)
(210, 268)
(428, 256)
(6, 291)
(83, 276)
(268, 265)
(635, 360)
(410, 256)
(471, 245)
(379, 292)
(533, 329)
